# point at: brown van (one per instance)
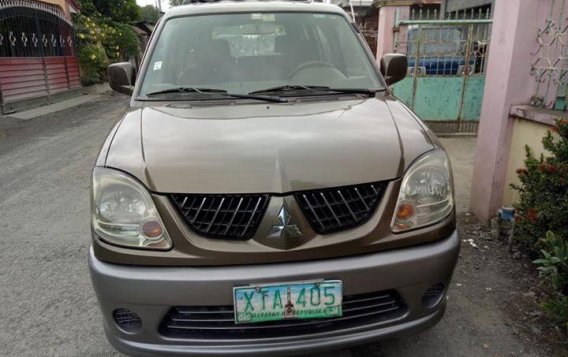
(266, 193)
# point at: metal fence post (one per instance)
(418, 43)
(44, 65)
(466, 73)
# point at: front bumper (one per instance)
(152, 291)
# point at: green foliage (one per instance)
(114, 41)
(120, 42)
(542, 219)
(558, 309)
(554, 263)
(94, 61)
(87, 7)
(554, 266)
(104, 35)
(544, 192)
(118, 10)
(150, 14)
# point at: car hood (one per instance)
(269, 148)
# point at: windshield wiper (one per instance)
(187, 90)
(290, 88)
(218, 92)
(297, 88)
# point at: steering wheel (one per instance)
(310, 64)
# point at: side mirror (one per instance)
(394, 67)
(121, 77)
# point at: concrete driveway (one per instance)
(47, 305)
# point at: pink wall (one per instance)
(508, 82)
(385, 38)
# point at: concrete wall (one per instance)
(385, 37)
(509, 82)
(61, 3)
(525, 132)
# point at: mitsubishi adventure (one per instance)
(266, 194)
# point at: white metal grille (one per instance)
(550, 67)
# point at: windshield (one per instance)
(244, 53)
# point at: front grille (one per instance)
(234, 217)
(335, 209)
(218, 321)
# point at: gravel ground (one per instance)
(48, 308)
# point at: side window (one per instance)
(166, 67)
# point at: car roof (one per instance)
(252, 6)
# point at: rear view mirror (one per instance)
(121, 77)
(394, 67)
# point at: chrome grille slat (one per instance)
(303, 323)
(215, 215)
(336, 209)
(371, 306)
(313, 211)
(347, 203)
(361, 198)
(252, 215)
(365, 300)
(217, 321)
(330, 208)
(184, 310)
(178, 319)
(199, 210)
(233, 217)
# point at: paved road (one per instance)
(47, 306)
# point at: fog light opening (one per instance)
(433, 296)
(127, 320)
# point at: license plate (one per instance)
(275, 302)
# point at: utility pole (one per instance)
(159, 5)
(352, 12)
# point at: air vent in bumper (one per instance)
(234, 217)
(335, 209)
(216, 322)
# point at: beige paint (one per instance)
(61, 3)
(525, 132)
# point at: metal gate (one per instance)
(446, 75)
(37, 52)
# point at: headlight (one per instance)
(123, 212)
(426, 194)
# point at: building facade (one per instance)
(526, 90)
(449, 6)
(38, 61)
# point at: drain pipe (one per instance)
(506, 214)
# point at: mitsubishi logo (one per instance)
(284, 228)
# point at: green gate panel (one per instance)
(403, 90)
(438, 98)
(473, 97)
